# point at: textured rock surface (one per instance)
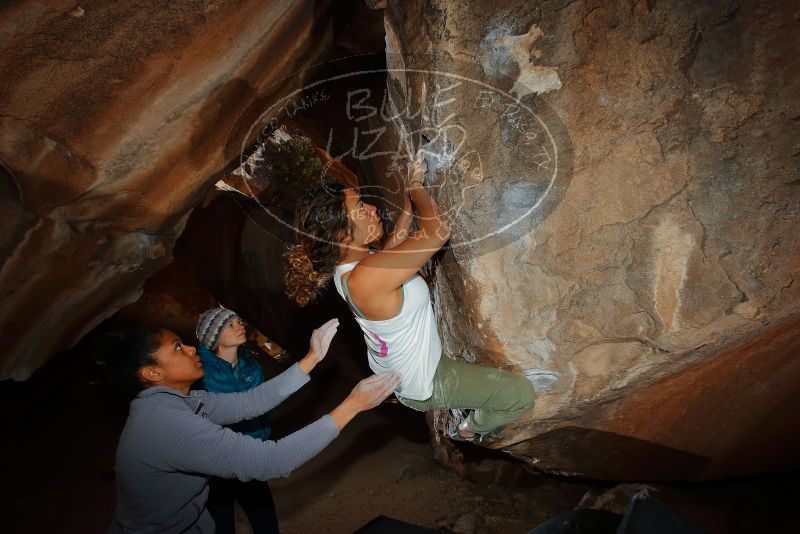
(657, 277)
(115, 119)
(629, 226)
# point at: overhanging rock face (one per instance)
(622, 181)
(115, 120)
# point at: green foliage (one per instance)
(293, 161)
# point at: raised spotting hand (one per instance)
(319, 344)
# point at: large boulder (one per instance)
(621, 179)
(116, 118)
(622, 182)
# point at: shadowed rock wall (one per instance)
(115, 119)
(656, 276)
(621, 178)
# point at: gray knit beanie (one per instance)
(210, 325)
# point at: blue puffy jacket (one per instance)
(221, 377)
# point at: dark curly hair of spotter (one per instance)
(121, 355)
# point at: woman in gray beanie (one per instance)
(229, 368)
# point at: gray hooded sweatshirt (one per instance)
(172, 442)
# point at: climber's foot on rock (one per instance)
(465, 433)
(457, 428)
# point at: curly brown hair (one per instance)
(321, 224)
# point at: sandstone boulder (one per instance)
(650, 149)
(116, 118)
(621, 179)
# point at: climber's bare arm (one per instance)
(402, 226)
(381, 274)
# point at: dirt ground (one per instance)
(382, 464)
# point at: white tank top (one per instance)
(407, 343)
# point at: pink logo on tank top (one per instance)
(384, 346)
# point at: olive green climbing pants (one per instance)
(496, 397)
